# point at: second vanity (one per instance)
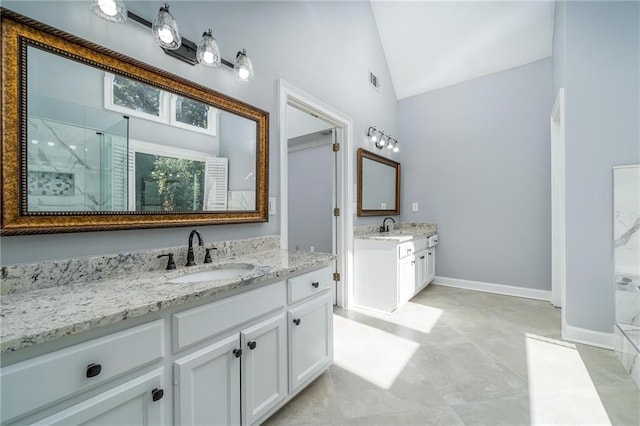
(392, 267)
(149, 349)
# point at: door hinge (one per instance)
(336, 147)
(336, 276)
(336, 211)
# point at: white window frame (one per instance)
(167, 110)
(162, 150)
(109, 104)
(212, 119)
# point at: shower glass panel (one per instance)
(71, 167)
(626, 229)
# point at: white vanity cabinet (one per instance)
(243, 372)
(231, 361)
(388, 272)
(35, 388)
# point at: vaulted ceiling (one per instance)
(434, 44)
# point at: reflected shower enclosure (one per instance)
(626, 248)
(71, 167)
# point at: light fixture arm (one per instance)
(187, 50)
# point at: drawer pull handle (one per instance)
(252, 345)
(237, 353)
(157, 394)
(93, 370)
(315, 285)
(296, 321)
(421, 257)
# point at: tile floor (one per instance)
(459, 357)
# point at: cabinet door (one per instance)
(207, 385)
(421, 270)
(131, 403)
(431, 264)
(264, 367)
(406, 279)
(310, 339)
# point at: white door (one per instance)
(421, 270)
(406, 279)
(207, 385)
(137, 402)
(310, 339)
(264, 367)
(431, 265)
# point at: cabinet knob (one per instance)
(252, 345)
(296, 321)
(430, 253)
(237, 353)
(157, 394)
(422, 257)
(315, 285)
(93, 370)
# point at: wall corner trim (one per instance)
(585, 336)
(507, 290)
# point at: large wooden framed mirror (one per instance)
(94, 140)
(378, 185)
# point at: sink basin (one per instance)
(219, 273)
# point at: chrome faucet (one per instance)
(385, 227)
(190, 261)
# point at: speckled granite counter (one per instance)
(398, 232)
(44, 314)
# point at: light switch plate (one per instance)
(272, 206)
(414, 207)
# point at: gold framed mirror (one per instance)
(94, 140)
(378, 185)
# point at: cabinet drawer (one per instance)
(198, 324)
(309, 284)
(37, 382)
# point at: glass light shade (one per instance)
(208, 51)
(390, 144)
(165, 29)
(382, 142)
(111, 10)
(396, 148)
(243, 68)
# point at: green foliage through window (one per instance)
(168, 184)
(191, 112)
(136, 96)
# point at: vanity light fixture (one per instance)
(167, 35)
(208, 53)
(380, 139)
(165, 29)
(111, 10)
(243, 68)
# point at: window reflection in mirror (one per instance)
(104, 142)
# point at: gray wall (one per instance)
(476, 158)
(310, 198)
(602, 79)
(324, 48)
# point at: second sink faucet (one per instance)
(385, 227)
(190, 260)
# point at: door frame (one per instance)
(289, 94)
(558, 205)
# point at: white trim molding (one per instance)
(588, 337)
(507, 290)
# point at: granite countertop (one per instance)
(399, 233)
(37, 316)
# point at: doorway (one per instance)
(292, 102)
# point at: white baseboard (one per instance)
(508, 290)
(588, 337)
